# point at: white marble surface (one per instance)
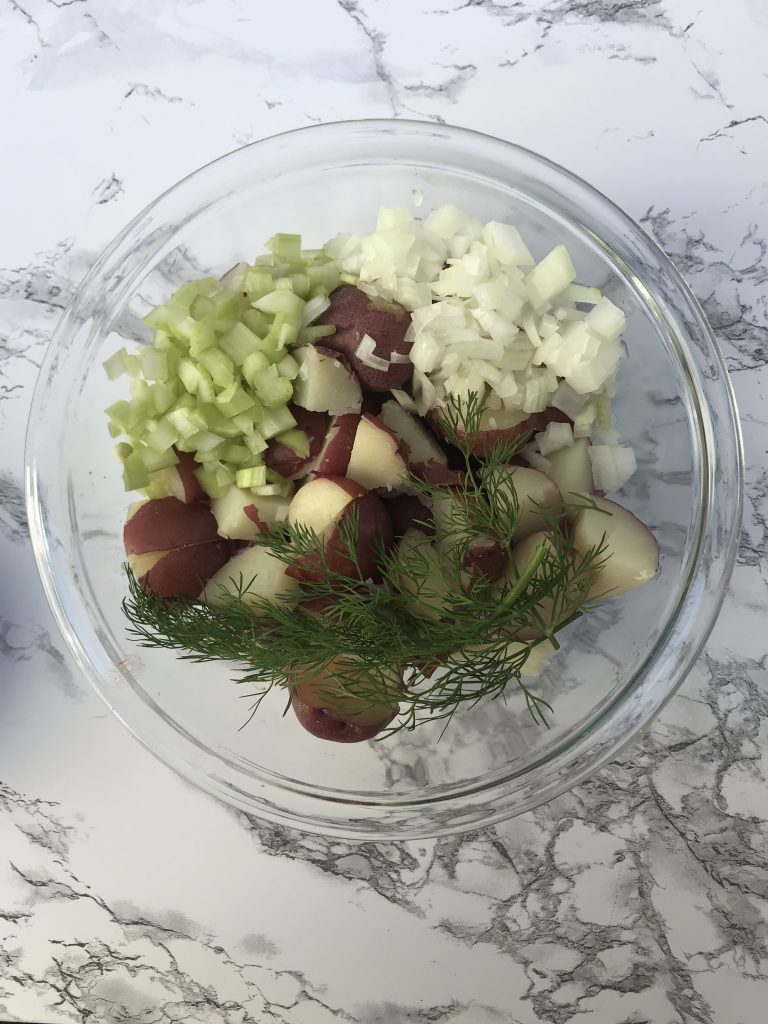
(642, 897)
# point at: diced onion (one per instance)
(365, 353)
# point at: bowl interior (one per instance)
(194, 715)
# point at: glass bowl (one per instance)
(617, 667)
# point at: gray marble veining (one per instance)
(639, 898)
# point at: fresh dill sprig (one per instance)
(479, 633)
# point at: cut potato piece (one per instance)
(430, 599)
(326, 705)
(180, 572)
(496, 426)
(165, 523)
(376, 459)
(325, 382)
(318, 504)
(538, 498)
(333, 458)
(632, 554)
(571, 470)
(256, 569)
(241, 516)
(425, 457)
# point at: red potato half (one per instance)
(165, 523)
(425, 457)
(496, 426)
(325, 703)
(484, 555)
(333, 457)
(538, 498)
(408, 513)
(180, 572)
(377, 459)
(354, 314)
(257, 569)
(571, 469)
(631, 552)
(289, 463)
(241, 516)
(429, 600)
(325, 382)
(323, 508)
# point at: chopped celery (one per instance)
(258, 283)
(163, 397)
(205, 442)
(324, 275)
(273, 390)
(219, 366)
(281, 302)
(135, 474)
(254, 366)
(209, 483)
(158, 486)
(255, 443)
(284, 284)
(186, 421)
(115, 430)
(201, 307)
(154, 364)
(301, 285)
(276, 421)
(309, 335)
(237, 453)
(285, 248)
(296, 440)
(233, 400)
(603, 410)
(288, 367)
(122, 451)
(120, 363)
(154, 461)
(228, 305)
(252, 476)
(256, 321)
(239, 343)
(225, 475)
(120, 413)
(188, 292)
(201, 337)
(162, 437)
(348, 278)
(191, 375)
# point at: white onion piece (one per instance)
(612, 466)
(555, 437)
(365, 353)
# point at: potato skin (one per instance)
(284, 460)
(185, 468)
(481, 442)
(354, 314)
(327, 725)
(183, 572)
(408, 513)
(374, 531)
(165, 523)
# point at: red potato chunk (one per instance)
(165, 523)
(539, 499)
(631, 552)
(483, 556)
(289, 463)
(333, 457)
(407, 512)
(425, 457)
(571, 470)
(241, 516)
(496, 426)
(323, 505)
(255, 574)
(182, 482)
(354, 314)
(180, 572)
(377, 459)
(325, 382)
(325, 703)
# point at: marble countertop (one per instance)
(125, 895)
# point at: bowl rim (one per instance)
(717, 577)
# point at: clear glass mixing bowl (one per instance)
(618, 666)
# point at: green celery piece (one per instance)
(252, 476)
(201, 307)
(186, 422)
(255, 443)
(201, 337)
(257, 283)
(296, 440)
(206, 442)
(288, 367)
(275, 421)
(325, 276)
(239, 343)
(236, 453)
(281, 302)
(162, 437)
(347, 278)
(190, 375)
(121, 363)
(154, 364)
(272, 389)
(301, 285)
(219, 366)
(135, 473)
(122, 451)
(233, 400)
(254, 366)
(285, 248)
(207, 480)
(154, 461)
(187, 293)
(310, 335)
(603, 410)
(225, 475)
(120, 413)
(256, 321)
(163, 397)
